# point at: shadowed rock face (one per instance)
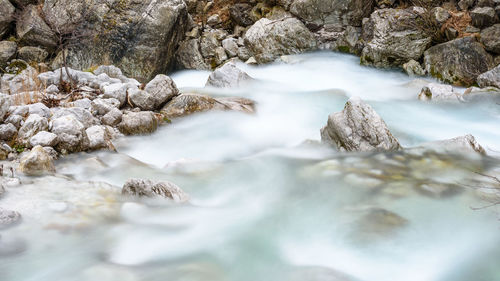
(139, 37)
(332, 12)
(458, 62)
(358, 128)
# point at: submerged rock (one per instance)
(148, 188)
(457, 62)
(379, 223)
(227, 76)
(358, 128)
(186, 104)
(8, 218)
(438, 92)
(268, 39)
(36, 162)
(460, 144)
(137, 123)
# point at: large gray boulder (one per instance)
(332, 12)
(490, 78)
(148, 188)
(138, 123)
(6, 16)
(70, 133)
(7, 51)
(490, 37)
(458, 62)
(392, 40)
(227, 76)
(157, 92)
(36, 162)
(139, 37)
(269, 39)
(32, 29)
(358, 128)
(7, 132)
(99, 138)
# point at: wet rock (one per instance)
(32, 29)
(112, 118)
(227, 76)
(44, 138)
(36, 162)
(457, 62)
(148, 188)
(413, 68)
(483, 17)
(156, 93)
(116, 91)
(187, 104)
(391, 34)
(490, 37)
(137, 123)
(268, 40)
(316, 273)
(99, 138)
(35, 54)
(10, 247)
(7, 131)
(7, 51)
(6, 16)
(8, 218)
(358, 128)
(70, 133)
(332, 12)
(188, 56)
(438, 92)
(490, 78)
(459, 144)
(438, 190)
(33, 124)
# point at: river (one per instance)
(268, 202)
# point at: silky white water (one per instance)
(268, 202)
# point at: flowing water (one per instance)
(268, 202)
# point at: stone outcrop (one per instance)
(358, 128)
(7, 51)
(139, 37)
(269, 39)
(36, 162)
(391, 39)
(148, 188)
(332, 13)
(33, 30)
(457, 62)
(6, 16)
